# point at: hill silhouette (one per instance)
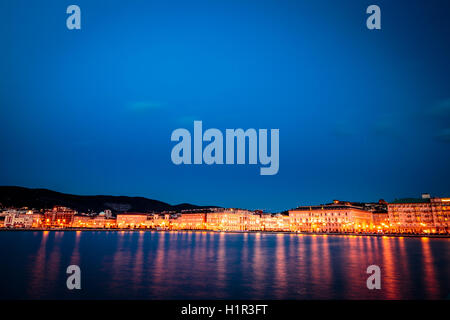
(18, 197)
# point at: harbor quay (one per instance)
(413, 216)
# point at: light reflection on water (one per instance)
(209, 265)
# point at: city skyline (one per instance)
(211, 205)
(419, 216)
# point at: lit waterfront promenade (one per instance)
(417, 217)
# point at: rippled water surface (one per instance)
(209, 265)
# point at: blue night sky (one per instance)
(362, 114)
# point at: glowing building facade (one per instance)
(424, 215)
(132, 220)
(18, 220)
(59, 217)
(228, 220)
(190, 221)
(335, 217)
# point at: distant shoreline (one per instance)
(237, 232)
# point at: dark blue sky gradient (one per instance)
(362, 114)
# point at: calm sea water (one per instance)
(209, 265)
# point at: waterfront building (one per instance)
(440, 208)
(275, 222)
(228, 220)
(254, 222)
(132, 220)
(160, 221)
(191, 221)
(38, 220)
(338, 216)
(380, 221)
(17, 219)
(104, 222)
(81, 221)
(59, 217)
(99, 222)
(420, 215)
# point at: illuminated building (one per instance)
(424, 215)
(38, 220)
(441, 214)
(275, 222)
(190, 221)
(227, 220)
(16, 219)
(132, 220)
(254, 222)
(380, 221)
(99, 222)
(80, 221)
(335, 217)
(104, 222)
(59, 217)
(159, 221)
